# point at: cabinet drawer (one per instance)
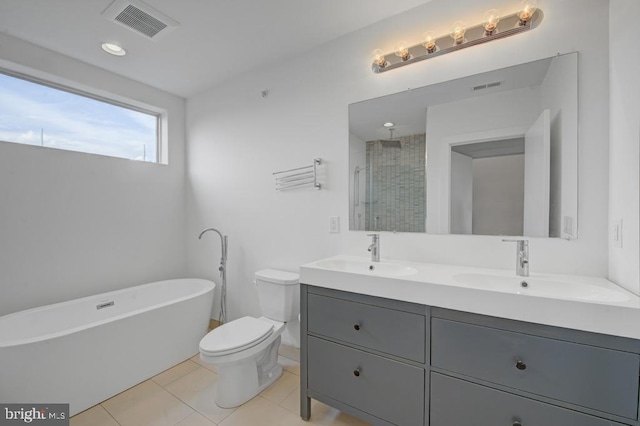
(457, 402)
(601, 379)
(390, 390)
(385, 330)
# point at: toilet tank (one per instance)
(278, 294)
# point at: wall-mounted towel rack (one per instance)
(298, 177)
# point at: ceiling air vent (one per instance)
(487, 86)
(140, 17)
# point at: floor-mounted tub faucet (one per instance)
(224, 247)
(374, 248)
(522, 259)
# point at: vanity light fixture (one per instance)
(379, 59)
(529, 7)
(402, 51)
(492, 28)
(429, 42)
(491, 19)
(114, 49)
(457, 32)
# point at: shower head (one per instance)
(390, 143)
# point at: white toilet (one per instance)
(246, 350)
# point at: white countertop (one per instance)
(581, 303)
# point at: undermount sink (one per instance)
(542, 287)
(371, 268)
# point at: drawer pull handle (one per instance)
(356, 372)
(357, 327)
(520, 366)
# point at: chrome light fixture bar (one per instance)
(493, 28)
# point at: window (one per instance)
(35, 113)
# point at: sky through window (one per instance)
(36, 114)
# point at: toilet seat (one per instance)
(235, 336)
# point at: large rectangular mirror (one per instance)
(490, 154)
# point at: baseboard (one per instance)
(290, 352)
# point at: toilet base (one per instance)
(241, 380)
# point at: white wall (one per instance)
(559, 93)
(466, 121)
(498, 195)
(74, 224)
(625, 138)
(237, 139)
(461, 194)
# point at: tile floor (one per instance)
(184, 395)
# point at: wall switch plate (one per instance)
(334, 224)
(616, 233)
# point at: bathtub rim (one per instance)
(208, 286)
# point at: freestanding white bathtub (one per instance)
(86, 350)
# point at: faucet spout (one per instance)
(223, 243)
(522, 260)
(374, 248)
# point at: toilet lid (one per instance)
(236, 335)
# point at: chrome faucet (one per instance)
(224, 248)
(522, 260)
(374, 248)
(223, 244)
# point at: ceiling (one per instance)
(211, 43)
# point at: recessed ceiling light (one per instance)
(113, 49)
(388, 124)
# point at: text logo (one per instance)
(34, 414)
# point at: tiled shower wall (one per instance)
(396, 185)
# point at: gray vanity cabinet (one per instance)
(459, 402)
(390, 331)
(396, 363)
(385, 388)
(364, 355)
(593, 377)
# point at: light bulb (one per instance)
(457, 32)
(402, 51)
(529, 7)
(378, 58)
(429, 42)
(491, 19)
